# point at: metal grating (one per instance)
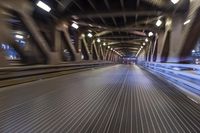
(118, 99)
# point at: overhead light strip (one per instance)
(43, 6)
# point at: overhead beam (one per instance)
(123, 29)
(126, 46)
(116, 37)
(132, 32)
(124, 43)
(102, 33)
(110, 42)
(118, 13)
(63, 4)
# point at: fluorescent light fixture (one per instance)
(158, 23)
(74, 25)
(19, 36)
(104, 44)
(146, 40)
(144, 44)
(150, 34)
(89, 35)
(43, 6)
(186, 22)
(98, 40)
(174, 1)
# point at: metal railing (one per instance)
(185, 76)
(21, 74)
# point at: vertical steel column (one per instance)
(102, 53)
(77, 56)
(95, 50)
(87, 49)
(58, 43)
(154, 47)
(29, 22)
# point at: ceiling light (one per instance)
(174, 1)
(143, 44)
(108, 46)
(89, 30)
(150, 34)
(104, 44)
(111, 48)
(43, 6)
(158, 23)
(186, 22)
(19, 36)
(89, 35)
(74, 25)
(83, 35)
(146, 40)
(98, 40)
(193, 51)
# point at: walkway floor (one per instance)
(116, 99)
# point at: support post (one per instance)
(77, 56)
(96, 51)
(87, 49)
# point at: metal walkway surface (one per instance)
(115, 99)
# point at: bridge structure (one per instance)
(91, 66)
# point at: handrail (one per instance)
(16, 75)
(182, 75)
(17, 68)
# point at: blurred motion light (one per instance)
(98, 40)
(74, 25)
(19, 36)
(43, 6)
(186, 22)
(150, 34)
(89, 35)
(146, 40)
(158, 23)
(174, 1)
